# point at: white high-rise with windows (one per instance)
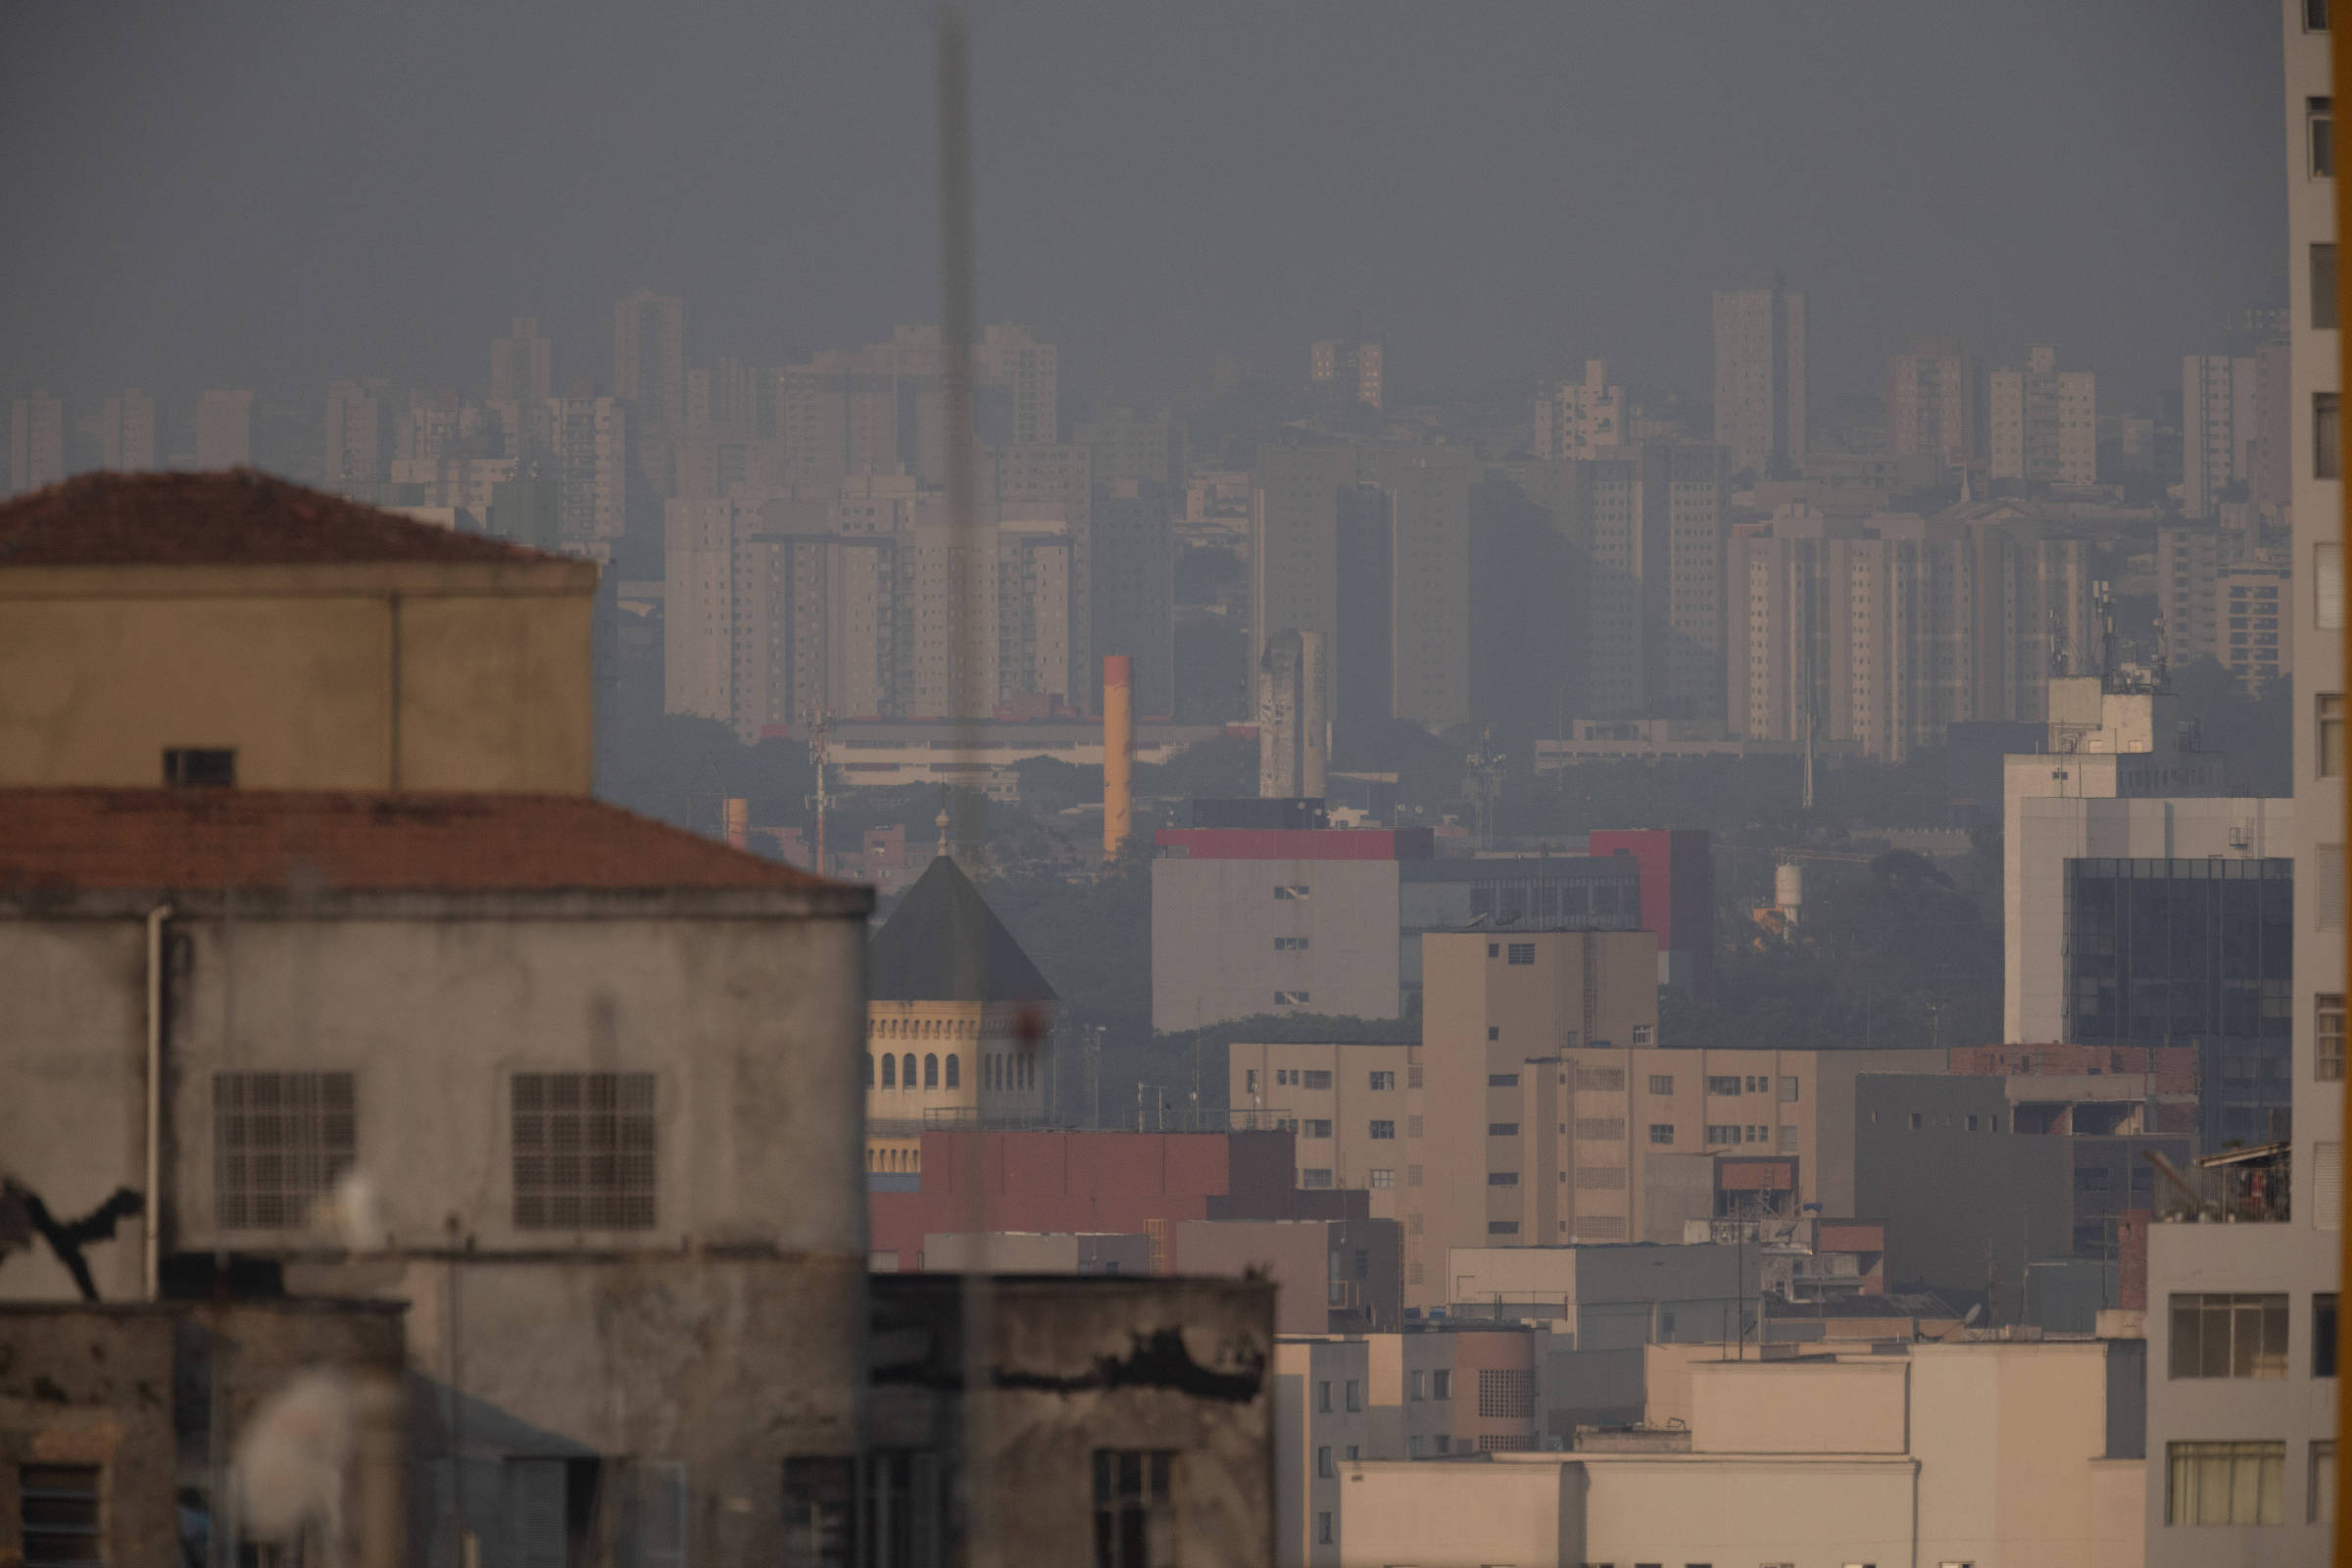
(1760, 378)
(2242, 1317)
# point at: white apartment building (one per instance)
(2045, 423)
(1587, 418)
(1930, 404)
(2242, 1317)
(1011, 358)
(522, 366)
(355, 444)
(588, 439)
(37, 443)
(2218, 428)
(1760, 378)
(2254, 621)
(2117, 783)
(223, 430)
(127, 432)
(649, 356)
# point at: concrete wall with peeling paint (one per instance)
(1080, 1366)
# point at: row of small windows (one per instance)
(997, 1070)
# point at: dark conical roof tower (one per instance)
(945, 944)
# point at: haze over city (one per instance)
(1289, 785)
(266, 198)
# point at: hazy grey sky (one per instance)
(268, 196)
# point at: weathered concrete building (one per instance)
(231, 629)
(580, 1089)
(1126, 1421)
(118, 1422)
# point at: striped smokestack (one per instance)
(1118, 754)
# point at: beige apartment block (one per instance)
(1346, 1104)
(1546, 1114)
(1498, 1012)
(1641, 1141)
(1426, 1394)
(265, 635)
(1968, 1451)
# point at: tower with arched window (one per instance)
(958, 1022)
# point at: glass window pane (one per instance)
(2213, 1490)
(2188, 1339)
(2322, 285)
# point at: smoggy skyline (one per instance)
(270, 198)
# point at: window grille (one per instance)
(280, 1142)
(583, 1150)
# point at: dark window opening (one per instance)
(200, 768)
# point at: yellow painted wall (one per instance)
(102, 669)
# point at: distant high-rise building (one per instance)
(1059, 476)
(1134, 588)
(127, 432)
(1647, 527)
(2254, 622)
(2045, 422)
(356, 419)
(1877, 633)
(861, 413)
(588, 450)
(1149, 452)
(37, 443)
(224, 429)
(1367, 546)
(1931, 398)
(1012, 359)
(1032, 589)
(1760, 378)
(2218, 428)
(1350, 369)
(649, 358)
(522, 366)
(2190, 560)
(2270, 484)
(1587, 418)
(1293, 717)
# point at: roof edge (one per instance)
(836, 901)
(550, 576)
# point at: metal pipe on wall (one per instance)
(152, 1228)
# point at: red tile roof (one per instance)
(242, 517)
(194, 840)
